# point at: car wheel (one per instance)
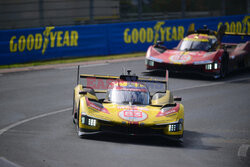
(73, 110)
(74, 118)
(79, 133)
(224, 67)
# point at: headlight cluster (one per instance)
(88, 121)
(175, 127)
(215, 65)
(208, 66)
(149, 62)
(211, 66)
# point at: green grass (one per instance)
(72, 60)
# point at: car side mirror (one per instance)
(159, 43)
(176, 98)
(82, 92)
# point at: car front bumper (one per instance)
(133, 129)
(183, 68)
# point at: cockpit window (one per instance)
(128, 96)
(193, 45)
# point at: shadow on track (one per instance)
(190, 76)
(192, 140)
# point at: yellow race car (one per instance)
(128, 107)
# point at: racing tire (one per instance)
(79, 133)
(77, 122)
(73, 110)
(224, 66)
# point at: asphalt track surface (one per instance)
(36, 127)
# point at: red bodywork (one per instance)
(233, 56)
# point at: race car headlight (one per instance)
(208, 66)
(211, 66)
(174, 127)
(92, 122)
(215, 65)
(88, 121)
(149, 62)
(83, 120)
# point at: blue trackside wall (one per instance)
(25, 45)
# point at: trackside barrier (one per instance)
(25, 45)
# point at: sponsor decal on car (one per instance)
(96, 107)
(168, 111)
(180, 59)
(133, 115)
(134, 108)
(106, 84)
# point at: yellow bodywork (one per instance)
(116, 113)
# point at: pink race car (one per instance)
(200, 52)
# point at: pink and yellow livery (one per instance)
(201, 52)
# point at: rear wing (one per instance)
(126, 77)
(222, 32)
(237, 33)
(219, 34)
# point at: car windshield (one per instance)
(189, 45)
(127, 96)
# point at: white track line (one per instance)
(242, 152)
(93, 65)
(212, 84)
(32, 118)
(5, 162)
(82, 66)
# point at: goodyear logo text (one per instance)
(148, 35)
(163, 32)
(41, 41)
(237, 26)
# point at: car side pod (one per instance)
(177, 98)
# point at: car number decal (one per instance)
(133, 115)
(178, 59)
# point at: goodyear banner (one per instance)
(25, 45)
